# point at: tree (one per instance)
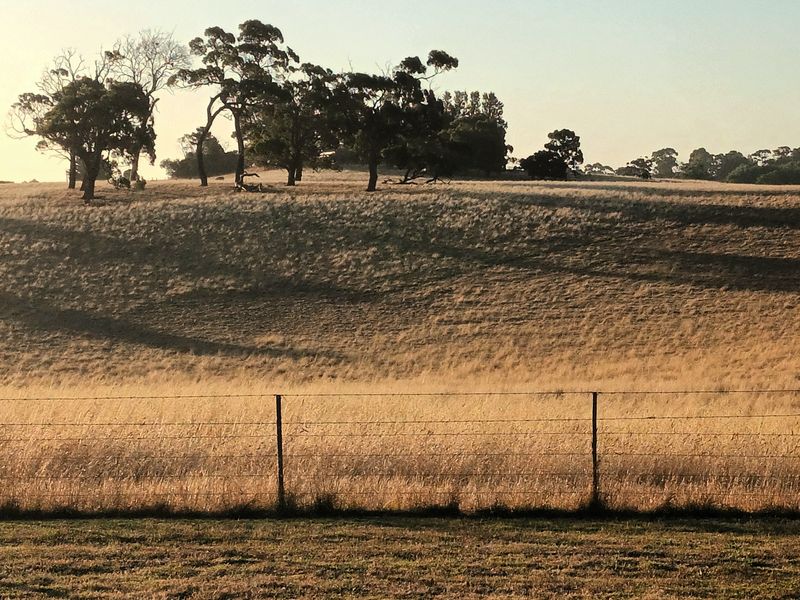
(761, 157)
(545, 164)
(244, 71)
(29, 110)
(150, 59)
(567, 145)
(294, 129)
(424, 148)
(379, 108)
(640, 167)
(93, 120)
(218, 161)
(477, 131)
(702, 165)
(665, 163)
(782, 154)
(728, 163)
(598, 169)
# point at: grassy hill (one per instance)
(506, 284)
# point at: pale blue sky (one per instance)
(630, 76)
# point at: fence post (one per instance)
(279, 446)
(595, 502)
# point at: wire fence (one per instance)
(622, 449)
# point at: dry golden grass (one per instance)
(495, 286)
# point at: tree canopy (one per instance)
(379, 109)
(243, 72)
(93, 119)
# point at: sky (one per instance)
(629, 76)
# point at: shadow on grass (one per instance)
(40, 315)
(659, 209)
(699, 515)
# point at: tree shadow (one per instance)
(665, 189)
(680, 213)
(39, 315)
(89, 247)
(605, 257)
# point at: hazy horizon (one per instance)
(629, 79)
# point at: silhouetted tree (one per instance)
(640, 167)
(244, 71)
(761, 157)
(477, 131)
(598, 169)
(725, 164)
(665, 163)
(93, 119)
(295, 128)
(150, 59)
(65, 68)
(566, 144)
(380, 107)
(782, 154)
(702, 165)
(218, 161)
(545, 164)
(777, 167)
(424, 148)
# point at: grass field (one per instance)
(475, 283)
(490, 286)
(400, 557)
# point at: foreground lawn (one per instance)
(399, 557)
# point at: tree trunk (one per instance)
(237, 127)
(201, 166)
(90, 178)
(291, 179)
(73, 171)
(88, 188)
(135, 164)
(201, 140)
(373, 173)
(298, 172)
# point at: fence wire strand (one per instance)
(476, 457)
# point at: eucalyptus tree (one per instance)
(297, 125)
(149, 59)
(380, 108)
(65, 68)
(243, 71)
(92, 119)
(216, 158)
(567, 145)
(665, 163)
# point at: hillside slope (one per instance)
(505, 283)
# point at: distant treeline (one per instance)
(293, 115)
(778, 166)
(562, 158)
